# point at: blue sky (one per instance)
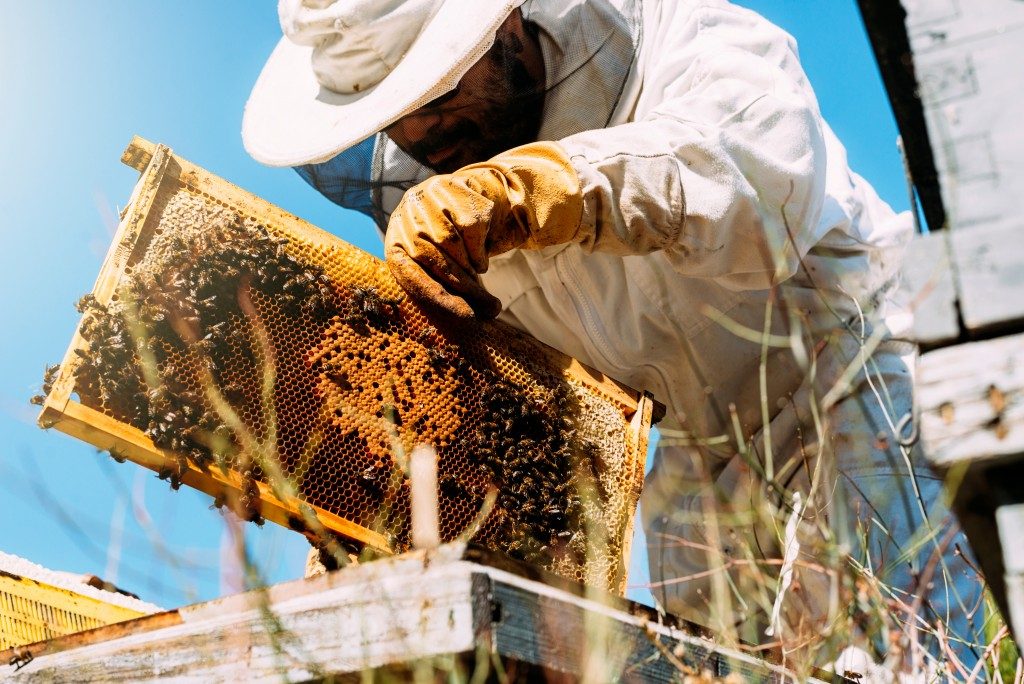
(77, 80)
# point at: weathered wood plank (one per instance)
(971, 399)
(434, 608)
(972, 430)
(962, 52)
(596, 643)
(960, 58)
(928, 289)
(990, 268)
(348, 628)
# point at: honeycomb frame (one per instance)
(163, 173)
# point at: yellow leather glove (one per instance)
(444, 231)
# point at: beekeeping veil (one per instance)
(589, 48)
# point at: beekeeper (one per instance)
(649, 186)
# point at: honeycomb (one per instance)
(245, 346)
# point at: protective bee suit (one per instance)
(729, 262)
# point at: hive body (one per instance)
(300, 409)
(38, 604)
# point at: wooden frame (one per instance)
(160, 168)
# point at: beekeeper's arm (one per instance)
(726, 174)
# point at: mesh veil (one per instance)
(589, 49)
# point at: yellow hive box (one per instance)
(331, 397)
(37, 604)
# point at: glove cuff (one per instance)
(544, 194)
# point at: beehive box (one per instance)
(38, 604)
(239, 350)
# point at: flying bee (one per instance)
(86, 302)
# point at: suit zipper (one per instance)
(591, 322)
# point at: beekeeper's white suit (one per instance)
(737, 269)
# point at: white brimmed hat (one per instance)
(347, 69)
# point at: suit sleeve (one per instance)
(725, 171)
